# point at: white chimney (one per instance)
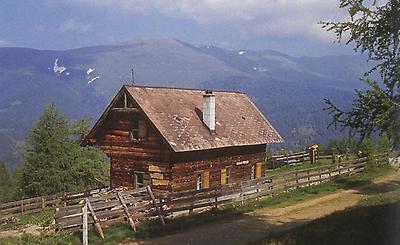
(209, 110)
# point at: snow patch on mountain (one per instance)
(93, 79)
(90, 70)
(58, 69)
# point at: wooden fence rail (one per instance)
(281, 160)
(140, 205)
(38, 204)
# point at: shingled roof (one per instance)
(176, 113)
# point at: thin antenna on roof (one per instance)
(133, 77)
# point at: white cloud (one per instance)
(4, 43)
(73, 26)
(247, 17)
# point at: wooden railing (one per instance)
(38, 204)
(281, 160)
(109, 209)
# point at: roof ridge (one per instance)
(181, 88)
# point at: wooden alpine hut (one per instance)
(177, 139)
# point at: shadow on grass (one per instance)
(378, 224)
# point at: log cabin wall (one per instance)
(186, 166)
(150, 154)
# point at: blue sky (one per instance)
(288, 26)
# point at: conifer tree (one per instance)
(54, 160)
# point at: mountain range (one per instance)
(288, 90)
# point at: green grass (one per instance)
(59, 238)
(152, 228)
(375, 220)
(299, 166)
(43, 218)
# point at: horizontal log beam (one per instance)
(128, 110)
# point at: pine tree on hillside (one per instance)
(4, 175)
(55, 161)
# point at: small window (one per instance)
(139, 129)
(228, 175)
(225, 176)
(140, 179)
(135, 129)
(199, 181)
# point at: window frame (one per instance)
(199, 181)
(138, 130)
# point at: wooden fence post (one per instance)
(155, 205)
(308, 177)
(85, 225)
(128, 215)
(320, 176)
(96, 221)
(43, 203)
(297, 180)
(22, 207)
(216, 199)
(64, 198)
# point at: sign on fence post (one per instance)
(84, 225)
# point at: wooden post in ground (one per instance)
(43, 203)
(22, 207)
(297, 180)
(64, 198)
(128, 215)
(155, 205)
(320, 177)
(96, 221)
(85, 225)
(308, 177)
(216, 199)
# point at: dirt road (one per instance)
(256, 225)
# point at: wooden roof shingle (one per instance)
(176, 113)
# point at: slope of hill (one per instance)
(289, 90)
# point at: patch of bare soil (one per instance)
(28, 229)
(256, 225)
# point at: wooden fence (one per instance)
(38, 204)
(281, 160)
(134, 205)
(381, 159)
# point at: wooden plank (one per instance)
(96, 222)
(85, 225)
(155, 205)
(128, 215)
(157, 182)
(127, 110)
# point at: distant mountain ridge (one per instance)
(289, 90)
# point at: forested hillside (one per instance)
(289, 90)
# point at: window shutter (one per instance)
(259, 170)
(206, 179)
(223, 176)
